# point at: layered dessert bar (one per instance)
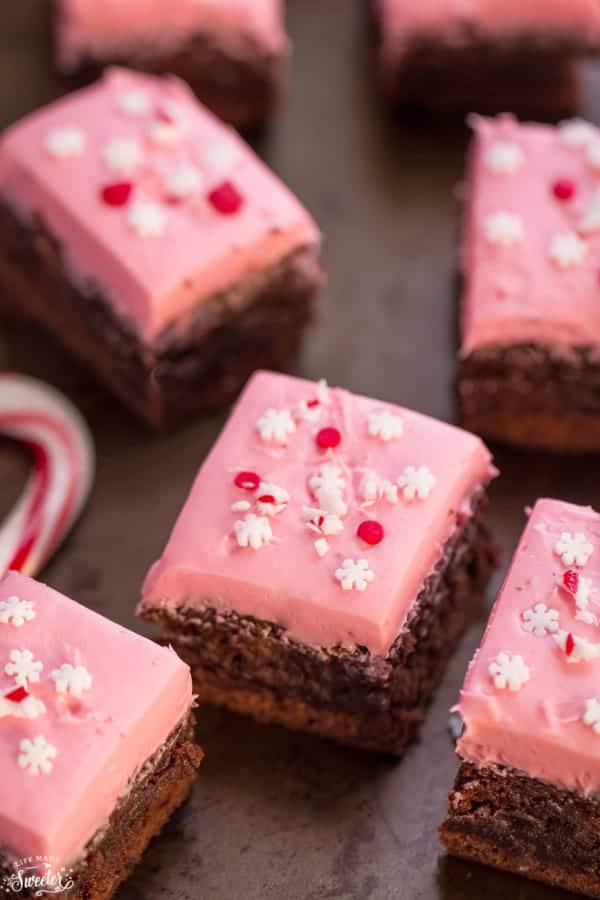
(96, 743)
(148, 238)
(529, 370)
(526, 795)
(232, 53)
(447, 56)
(325, 562)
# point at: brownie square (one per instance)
(325, 562)
(96, 743)
(526, 795)
(148, 238)
(233, 54)
(529, 368)
(489, 55)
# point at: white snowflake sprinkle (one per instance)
(322, 547)
(65, 142)
(322, 522)
(373, 488)
(576, 132)
(165, 134)
(182, 181)
(276, 425)
(504, 157)
(416, 481)
(509, 672)
(253, 531)
(573, 549)
(590, 221)
(73, 680)
(15, 611)
(122, 155)
(540, 620)
(328, 485)
(23, 667)
(146, 218)
(28, 708)
(591, 716)
(567, 250)
(504, 228)
(385, 426)
(267, 506)
(220, 157)
(354, 575)
(37, 755)
(133, 103)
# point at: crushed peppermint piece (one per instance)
(23, 667)
(276, 425)
(373, 488)
(241, 506)
(573, 549)
(322, 522)
(567, 250)
(322, 547)
(504, 228)
(509, 672)
(133, 103)
(384, 425)
(271, 499)
(122, 155)
(576, 648)
(226, 199)
(591, 716)
(248, 481)
(14, 611)
(18, 703)
(17, 695)
(370, 531)
(590, 221)
(577, 132)
(182, 181)
(540, 620)
(73, 680)
(37, 755)
(65, 142)
(165, 134)
(117, 193)
(146, 218)
(416, 482)
(328, 438)
(504, 157)
(563, 189)
(354, 575)
(253, 531)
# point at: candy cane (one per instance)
(46, 423)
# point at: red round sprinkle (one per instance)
(563, 188)
(117, 194)
(328, 437)
(370, 531)
(266, 498)
(248, 481)
(571, 581)
(226, 198)
(18, 695)
(569, 644)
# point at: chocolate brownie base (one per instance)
(241, 82)
(533, 396)
(349, 695)
(196, 365)
(529, 75)
(503, 818)
(161, 786)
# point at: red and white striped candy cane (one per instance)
(46, 423)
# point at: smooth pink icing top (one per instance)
(539, 728)
(401, 19)
(101, 28)
(285, 580)
(139, 692)
(167, 247)
(519, 291)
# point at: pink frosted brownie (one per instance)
(325, 561)
(530, 322)
(153, 243)
(485, 55)
(527, 794)
(233, 53)
(96, 741)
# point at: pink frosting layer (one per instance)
(286, 581)
(448, 18)
(539, 728)
(519, 292)
(139, 692)
(101, 28)
(196, 250)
